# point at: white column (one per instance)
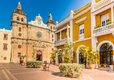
(93, 25)
(93, 2)
(71, 26)
(68, 34)
(112, 14)
(60, 36)
(71, 31)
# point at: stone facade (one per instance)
(5, 45)
(34, 39)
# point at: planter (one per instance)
(104, 66)
(91, 66)
(111, 67)
(96, 66)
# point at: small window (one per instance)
(103, 23)
(81, 35)
(22, 19)
(19, 54)
(51, 27)
(81, 31)
(52, 35)
(52, 49)
(104, 19)
(5, 46)
(5, 58)
(19, 29)
(19, 46)
(19, 34)
(17, 18)
(5, 36)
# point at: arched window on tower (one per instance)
(17, 18)
(22, 19)
(19, 29)
(51, 27)
(19, 34)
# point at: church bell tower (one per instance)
(19, 34)
(50, 22)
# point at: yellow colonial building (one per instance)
(92, 26)
(81, 30)
(102, 19)
(78, 24)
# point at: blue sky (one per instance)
(59, 9)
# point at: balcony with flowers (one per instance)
(105, 29)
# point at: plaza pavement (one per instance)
(17, 72)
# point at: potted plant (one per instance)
(22, 57)
(90, 56)
(54, 56)
(108, 22)
(97, 26)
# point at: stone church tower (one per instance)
(50, 22)
(31, 38)
(19, 33)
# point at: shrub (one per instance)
(71, 70)
(90, 55)
(34, 64)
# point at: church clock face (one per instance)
(39, 34)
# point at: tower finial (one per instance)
(38, 14)
(50, 17)
(19, 6)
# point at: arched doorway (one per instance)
(106, 54)
(39, 56)
(81, 58)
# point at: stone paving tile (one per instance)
(98, 75)
(23, 73)
(2, 76)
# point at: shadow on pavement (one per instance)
(57, 74)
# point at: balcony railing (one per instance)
(103, 30)
(60, 42)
